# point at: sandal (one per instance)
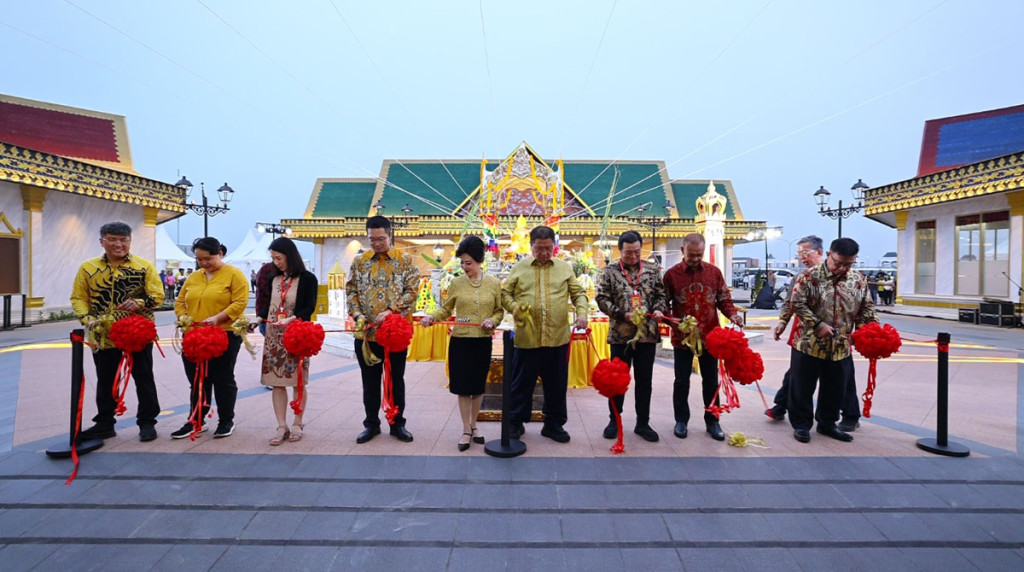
(297, 432)
(464, 446)
(281, 437)
(477, 437)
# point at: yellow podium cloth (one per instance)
(428, 344)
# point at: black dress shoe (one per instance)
(555, 434)
(680, 430)
(516, 431)
(835, 433)
(646, 432)
(802, 435)
(147, 433)
(465, 446)
(367, 434)
(97, 432)
(401, 434)
(849, 426)
(716, 431)
(612, 430)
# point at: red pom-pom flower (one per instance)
(204, 342)
(132, 333)
(611, 378)
(875, 342)
(303, 339)
(395, 334)
(726, 343)
(747, 369)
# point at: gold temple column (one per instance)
(1016, 201)
(901, 229)
(32, 200)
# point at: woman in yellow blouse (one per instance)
(217, 296)
(475, 299)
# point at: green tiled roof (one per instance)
(447, 192)
(638, 183)
(343, 198)
(420, 183)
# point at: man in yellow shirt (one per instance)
(116, 285)
(537, 292)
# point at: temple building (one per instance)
(432, 203)
(64, 172)
(960, 221)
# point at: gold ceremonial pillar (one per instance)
(32, 200)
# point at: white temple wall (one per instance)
(70, 234)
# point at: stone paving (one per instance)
(328, 503)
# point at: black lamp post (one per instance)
(226, 194)
(273, 229)
(653, 223)
(841, 212)
(395, 224)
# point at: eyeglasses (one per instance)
(803, 252)
(843, 264)
(118, 240)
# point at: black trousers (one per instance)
(806, 372)
(373, 380)
(850, 407)
(551, 366)
(681, 386)
(641, 359)
(145, 388)
(782, 395)
(220, 381)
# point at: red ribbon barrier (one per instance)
(78, 414)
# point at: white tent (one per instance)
(168, 255)
(251, 253)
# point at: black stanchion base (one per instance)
(495, 448)
(951, 449)
(64, 451)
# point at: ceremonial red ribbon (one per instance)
(75, 338)
(124, 372)
(579, 337)
(196, 416)
(611, 379)
(725, 386)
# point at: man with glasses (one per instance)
(624, 288)
(381, 281)
(829, 302)
(113, 286)
(809, 251)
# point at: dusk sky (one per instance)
(778, 97)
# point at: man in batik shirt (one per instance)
(627, 290)
(696, 288)
(537, 292)
(381, 281)
(114, 286)
(830, 301)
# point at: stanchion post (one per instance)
(506, 446)
(941, 445)
(77, 370)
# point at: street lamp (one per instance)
(226, 194)
(769, 233)
(822, 195)
(394, 223)
(438, 252)
(653, 223)
(273, 229)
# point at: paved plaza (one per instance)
(695, 503)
